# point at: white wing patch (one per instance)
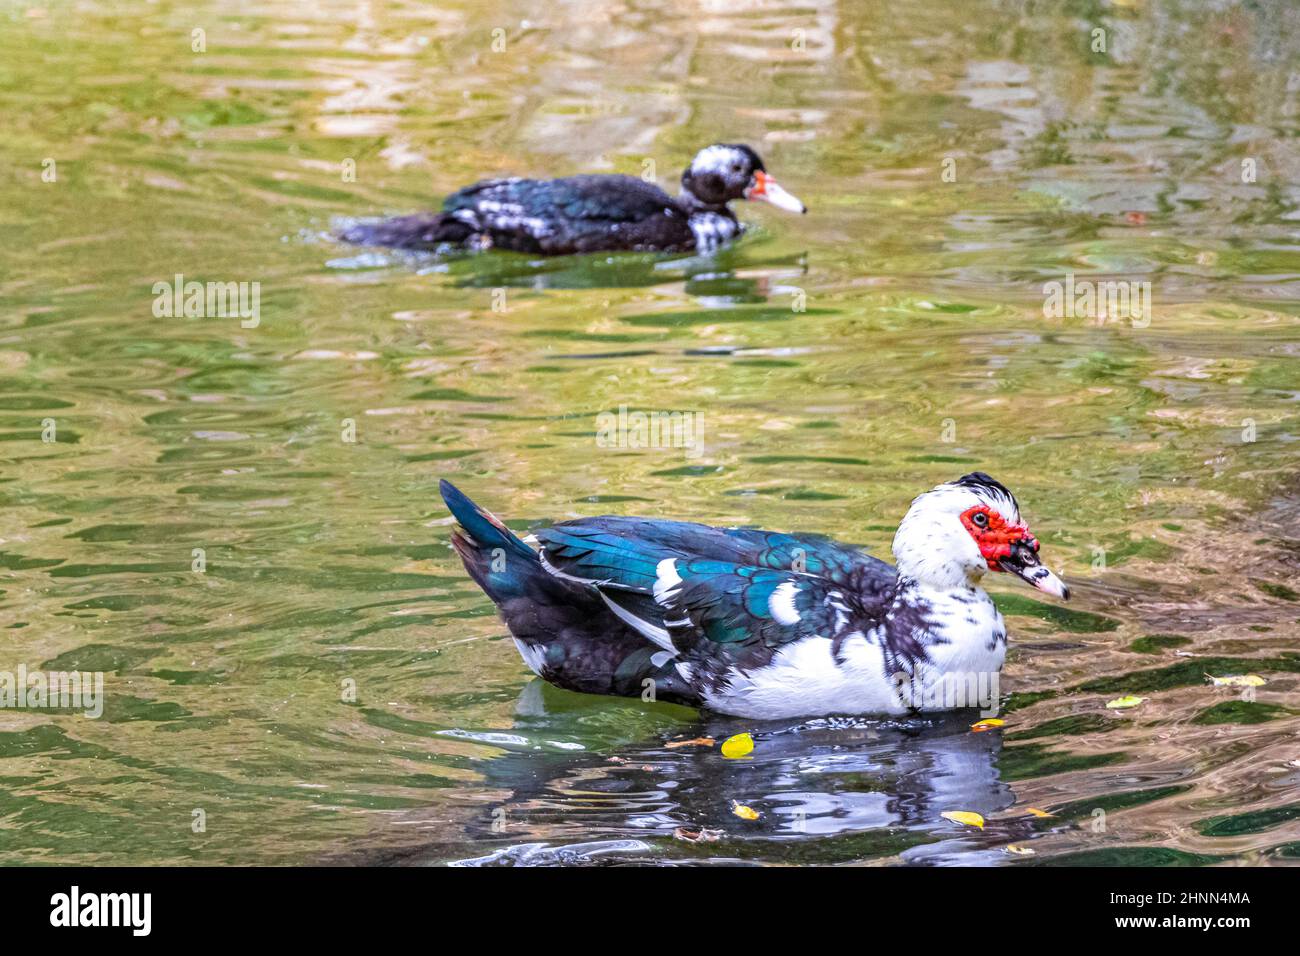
(781, 603)
(667, 581)
(641, 626)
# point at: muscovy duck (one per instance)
(756, 623)
(594, 213)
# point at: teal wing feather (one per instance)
(715, 590)
(742, 605)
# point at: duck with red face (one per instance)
(764, 624)
(959, 531)
(1011, 548)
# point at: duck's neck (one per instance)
(945, 646)
(695, 206)
(957, 617)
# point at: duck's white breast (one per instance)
(804, 680)
(965, 650)
(712, 230)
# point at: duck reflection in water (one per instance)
(833, 789)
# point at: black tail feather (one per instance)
(425, 231)
(565, 631)
(498, 561)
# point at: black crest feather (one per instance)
(980, 481)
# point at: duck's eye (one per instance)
(735, 167)
(979, 519)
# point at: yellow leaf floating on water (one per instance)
(1035, 812)
(741, 745)
(968, 817)
(1122, 703)
(988, 723)
(694, 742)
(1018, 850)
(1237, 680)
(744, 812)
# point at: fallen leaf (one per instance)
(695, 742)
(1237, 680)
(988, 723)
(741, 745)
(1122, 703)
(697, 835)
(968, 817)
(744, 812)
(1018, 850)
(1035, 812)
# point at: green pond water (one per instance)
(955, 157)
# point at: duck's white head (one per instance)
(726, 171)
(955, 533)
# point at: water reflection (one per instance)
(736, 275)
(828, 790)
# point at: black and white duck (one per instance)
(593, 213)
(763, 624)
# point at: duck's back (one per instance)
(656, 538)
(576, 214)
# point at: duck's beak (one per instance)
(1023, 563)
(764, 187)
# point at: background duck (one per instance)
(592, 213)
(756, 623)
